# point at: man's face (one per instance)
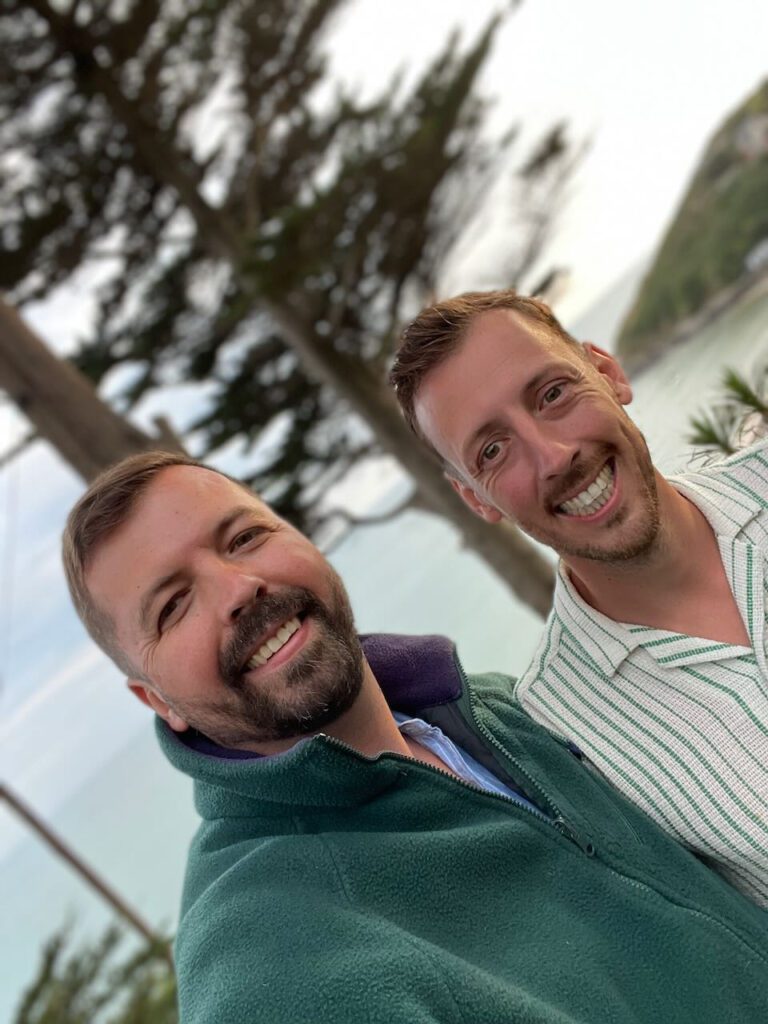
(536, 431)
(236, 620)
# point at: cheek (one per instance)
(513, 491)
(186, 659)
(307, 569)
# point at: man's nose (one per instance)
(236, 590)
(554, 452)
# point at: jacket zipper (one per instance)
(558, 822)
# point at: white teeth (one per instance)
(591, 498)
(273, 644)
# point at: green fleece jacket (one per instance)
(326, 886)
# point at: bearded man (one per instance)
(383, 838)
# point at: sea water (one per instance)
(133, 818)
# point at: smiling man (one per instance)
(653, 661)
(383, 838)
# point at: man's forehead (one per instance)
(516, 330)
(175, 485)
(180, 505)
(500, 348)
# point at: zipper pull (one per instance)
(565, 829)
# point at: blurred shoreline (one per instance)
(749, 287)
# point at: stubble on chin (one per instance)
(615, 540)
(636, 543)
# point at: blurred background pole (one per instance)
(89, 876)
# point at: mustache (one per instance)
(577, 475)
(263, 615)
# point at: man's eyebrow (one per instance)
(224, 525)
(218, 534)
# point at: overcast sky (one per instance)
(646, 82)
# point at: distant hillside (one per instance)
(715, 238)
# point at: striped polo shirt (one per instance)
(678, 723)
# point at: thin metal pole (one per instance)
(89, 876)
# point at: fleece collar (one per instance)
(415, 673)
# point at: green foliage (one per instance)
(737, 419)
(713, 431)
(91, 986)
(258, 228)
(723, 215)
(745, 395)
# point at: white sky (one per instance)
(646, 82)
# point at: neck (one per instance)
(640, 589)
(369, 726)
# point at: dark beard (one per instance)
(319, 685)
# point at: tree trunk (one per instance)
(63, 406)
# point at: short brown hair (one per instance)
(438, 331)
(105, 506)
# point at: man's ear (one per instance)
(609, 367)
(153, 700)
(468, 496)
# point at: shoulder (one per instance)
(733, 492)
(492, 688)
(749, 463)
(281, 951)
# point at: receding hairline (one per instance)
(433, 334)
(523, 320)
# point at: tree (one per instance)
(737, 419)
(89, 987)
(265, 234)
(62, 406)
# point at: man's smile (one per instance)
(275, 644)
(593, 497)
(268, 632)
